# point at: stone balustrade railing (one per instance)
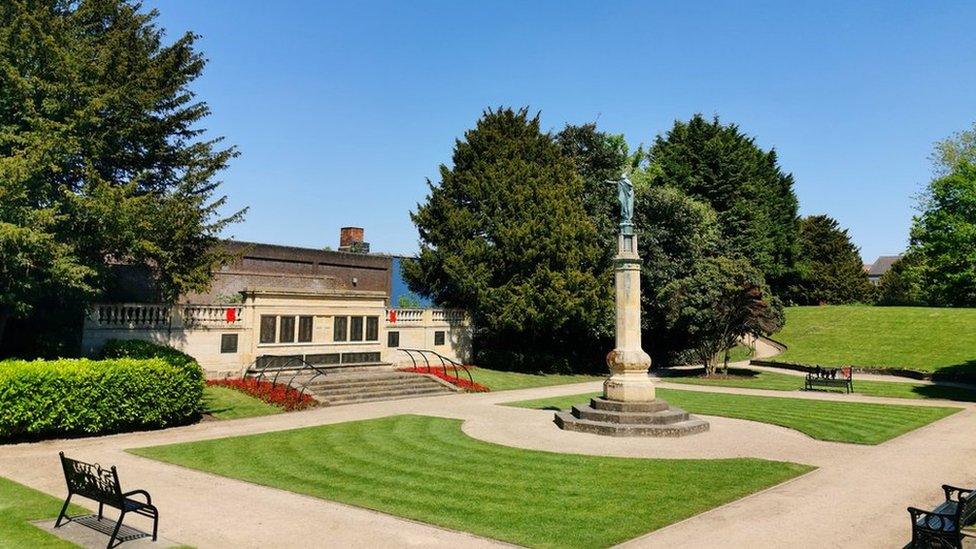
(155, 315)
(425, 316)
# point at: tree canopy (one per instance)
(830, 269)
(505, 235)
(943, 239)
(754, 199)
(101, 157)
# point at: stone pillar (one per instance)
(629, 381)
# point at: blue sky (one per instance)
(342, 110)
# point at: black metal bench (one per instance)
(102, 485)
(942, 526)
(830, 377)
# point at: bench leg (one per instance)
(118, 525)
(155, 525)
(64, 509)
(101, 507)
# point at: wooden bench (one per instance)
(830, 377)
(102, 485)
(942, 526)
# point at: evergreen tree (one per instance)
(830, 269)
(504, 235)
(101, 159)
(754, 199)
(674, 233)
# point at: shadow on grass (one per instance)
(736, 373)
(964, 372)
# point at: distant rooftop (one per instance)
(882, 265)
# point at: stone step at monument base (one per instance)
(630, 419)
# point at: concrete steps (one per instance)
(628, 419)
(373, 386)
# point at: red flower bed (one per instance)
(277, 395)
(463, 383)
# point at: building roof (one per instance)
(882, 264)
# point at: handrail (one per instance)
(445, 362)
(302, 367)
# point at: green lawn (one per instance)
(426, 469)
(754, 379)
(853, 422)
(227, 403)
(497, 380)
(915, 338)
(18, 506)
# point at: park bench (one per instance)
(830, 377)
(102, 485)
(942, 526)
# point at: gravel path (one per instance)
(857, 497)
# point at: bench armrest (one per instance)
(944, 520)
(143, 492)
(955, 490)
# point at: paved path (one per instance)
(856, 498)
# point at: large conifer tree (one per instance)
(101, 158)
(754, 199)
(504, 235)
(830, 269)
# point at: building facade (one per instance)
(331, 309)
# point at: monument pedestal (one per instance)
(629, 406)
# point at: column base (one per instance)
(629, 387)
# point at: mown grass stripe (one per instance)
(427, 469)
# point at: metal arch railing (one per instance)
(445, 363)
(295, 365)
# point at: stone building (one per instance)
(331, 308)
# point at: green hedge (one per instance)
(152, 387)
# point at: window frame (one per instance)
(225, 347)
(265, 326)
(392, 335)
(306, 327)
(354, 333)
(442, 335)
(340, 329)
(371, 328)
(286, 320)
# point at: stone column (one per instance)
(629, 381)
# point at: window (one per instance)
(268, 326)
(286, 331)
(372, 328)
(305, 329)
(228, 343)
(438, 338)
(392, 339)
(339, 328)
(355, 328)
(360, 358)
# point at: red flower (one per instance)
(283, 396)
(463, 383)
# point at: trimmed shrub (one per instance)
(148, 386)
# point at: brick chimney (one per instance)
(351, 240)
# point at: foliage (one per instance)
(943, 237)
(599, 158)
(931, 340)
(850, 422)
(101, 159)
(525, 497)
(954, 150)
(284, 396)
(462, 382)
(720, 301)
(902, 284)
(830, 269)
(86, 397)
(138, 348)
(409, 301)
(505, 236)
(674, 233)
(754, 199)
